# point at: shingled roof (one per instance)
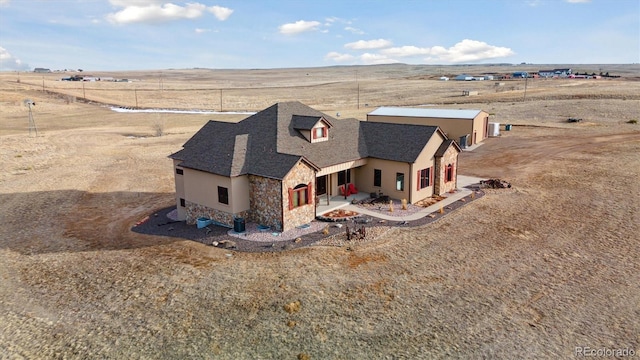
(269, 144)
(444, 146)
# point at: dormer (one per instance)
(313, 128)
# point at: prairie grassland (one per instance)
(533, 271)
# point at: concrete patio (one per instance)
(339, 202)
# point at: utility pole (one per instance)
(525, 88)
(84, 95)
(135, 92)
(220, 100)
(358, 89)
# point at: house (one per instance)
(466, 127)
(520, 75)
(274, 166)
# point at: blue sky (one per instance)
(157, 34)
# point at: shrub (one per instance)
(632, 121)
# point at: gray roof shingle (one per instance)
(269, 144)
(398, 142)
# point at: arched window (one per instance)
(448, 175)
(300, 195)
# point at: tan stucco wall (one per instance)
(306, 134)
(202, 188)
(389, 169)
(179, 182)
(453, 128)
(426, 159)
(239, 193)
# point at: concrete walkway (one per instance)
(463, 191)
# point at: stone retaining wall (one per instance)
(195, 211)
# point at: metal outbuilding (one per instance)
(473, 125)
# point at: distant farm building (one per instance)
(555, 73)
(41, 70)
(520, 75)
(464, 77)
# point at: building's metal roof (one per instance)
(429, 113)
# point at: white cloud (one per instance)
(338, 57)
(404, 51)
(4, 2)
(372, 59)
(9, 62)
(151, 11)
(354, 30)
(368, 44)
(299, 27)
(468, 51)
(331, 20)
(578, 1)
(221, 13)
(200, 31)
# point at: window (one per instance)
(377, 177)
(300, 195)
(182, 202)
(179, 171)
(400, 181)
(424, 178)
(344, 175)
(223, 195)
(448, 174)
(319, 133)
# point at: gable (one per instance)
(312, 128)
(445, 146)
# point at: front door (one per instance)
(321, 185)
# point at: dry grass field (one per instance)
(528, 272)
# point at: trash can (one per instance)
(238, 225)
(507, 127)
(463, 141)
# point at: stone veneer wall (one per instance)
(195, 211)
(450, 157)
(265, 201)
(300, 174)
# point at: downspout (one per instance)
(456, 170)
(410, 184)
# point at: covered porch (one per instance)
(337, 202)
(333, 182)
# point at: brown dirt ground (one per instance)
(528, 272)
